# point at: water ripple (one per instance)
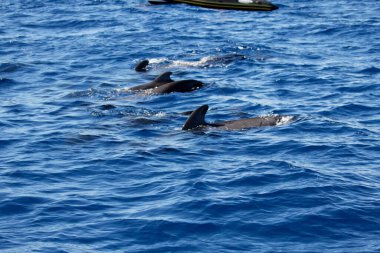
(88, 168)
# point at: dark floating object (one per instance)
(141, 66)
(245, 5)
(197, 120)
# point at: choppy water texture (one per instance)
(85, 168)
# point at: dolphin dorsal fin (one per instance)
(196, 118)
(164, 78)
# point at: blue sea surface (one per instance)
(87, 167)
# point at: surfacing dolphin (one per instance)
(164, 84)
(178, 86)
(197, 119)
(141, 66)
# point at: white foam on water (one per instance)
(202, 62)
(158, 60)
(160, 114)
(285, 120)
(123, 90)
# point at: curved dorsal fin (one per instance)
(164, 78)
(196, 118)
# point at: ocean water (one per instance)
(85, 167)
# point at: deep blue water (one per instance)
(87, 168)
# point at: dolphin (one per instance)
(157, 82)
(141, 66)
(164, 84)
(178, 86)
(197, 119)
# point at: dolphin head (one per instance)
(141, 66)
(187, 85)
(164, 78)
(196, 118)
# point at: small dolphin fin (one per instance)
(196, 118)
(164, 78)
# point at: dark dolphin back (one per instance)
(196, 118)
(178, 86)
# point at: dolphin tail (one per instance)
(196, 118)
